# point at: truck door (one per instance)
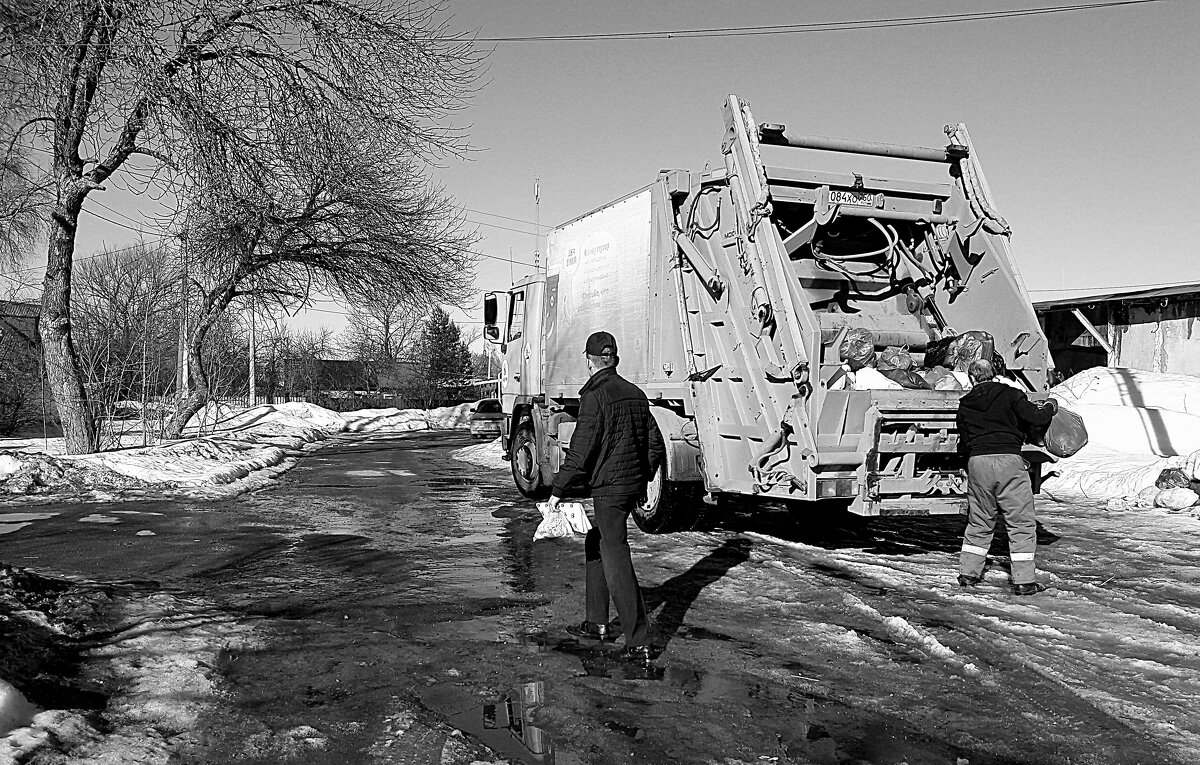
(521, 376)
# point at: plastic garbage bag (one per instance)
(1066, 433)
(940, 378)
(858, 349)
(1173, 478)
(907, 378)
(1175, 499)
(895, 357)
(972, 346)
(566, 520)
(869, 378)
(940, 353)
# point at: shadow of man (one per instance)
(677, 594)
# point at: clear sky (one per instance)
(1085, 122)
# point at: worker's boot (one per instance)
(1028, 588)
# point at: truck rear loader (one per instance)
(729, 292)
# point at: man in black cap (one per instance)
(615, 450)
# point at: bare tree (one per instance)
(326, 216)
(22, 199)
(184, 88)
(385, 331)
(126, 315)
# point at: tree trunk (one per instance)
(199, 393)
(63, 373)
(215, 304)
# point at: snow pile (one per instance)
(15, 710)
(164, 664)
(377, 420)
(489, 455)
(225, 446)
(1139, 424)
(441, 418)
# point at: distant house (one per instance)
(23, 393)
(19, 321)
(1151, 328)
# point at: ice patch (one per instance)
(99, 518)
(15, 709)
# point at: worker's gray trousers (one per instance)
(610, 569)
(999, 482)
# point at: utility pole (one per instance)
(537, 219)
(182, 366)
(253, 355)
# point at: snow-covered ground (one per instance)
(224, 452)
(1117, 630)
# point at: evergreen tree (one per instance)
(444, 359)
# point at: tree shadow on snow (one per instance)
(677, 594)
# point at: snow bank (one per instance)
(15, 710)
(489, 455)
(227, 445)
(1139, 424)
(1116, 386)
(377, 420)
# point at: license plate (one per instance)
(856, 198)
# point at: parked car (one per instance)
(485, 418)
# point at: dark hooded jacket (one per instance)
(616, 446)
(993, 418)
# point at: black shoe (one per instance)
(968, 581)
(594, 631)
(1028, 588)
(642, 654)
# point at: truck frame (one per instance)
(730, 290)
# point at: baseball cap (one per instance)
(601, 344)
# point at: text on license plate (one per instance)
(857, 198)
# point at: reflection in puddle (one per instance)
(506, 726)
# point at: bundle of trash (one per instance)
(568, 519)
(943, 366)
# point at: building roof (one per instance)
(1048, 300)
(13, 309)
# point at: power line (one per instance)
(1121, 288)
(827, 26)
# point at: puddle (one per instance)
(507, 725)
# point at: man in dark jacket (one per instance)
(992, 421)
(615, 450)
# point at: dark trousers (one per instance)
(999, 483)
(610, 569)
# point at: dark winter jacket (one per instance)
(616, 446)
(993, 419)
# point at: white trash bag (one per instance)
(566, 520)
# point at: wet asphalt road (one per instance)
(389, 583)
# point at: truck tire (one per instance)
(670, 506)
(525, 471)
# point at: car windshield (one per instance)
(488, 406)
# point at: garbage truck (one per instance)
(730, 291)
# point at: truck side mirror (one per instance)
(491, 310)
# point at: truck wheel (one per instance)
(670, 506)
(525, 471)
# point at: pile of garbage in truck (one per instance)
(1143, 428)
(943, 365)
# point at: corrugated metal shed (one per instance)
(1155, 327)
